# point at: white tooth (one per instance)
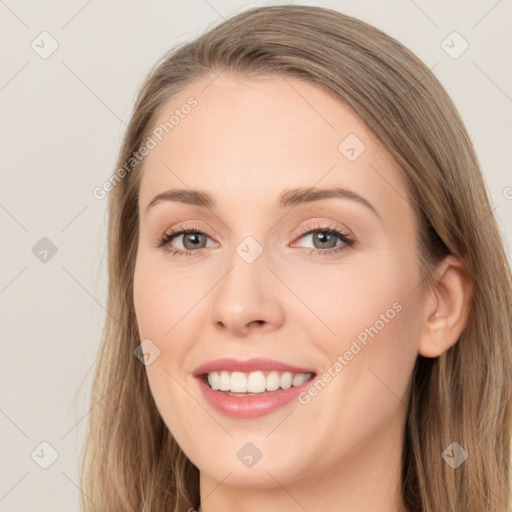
(225, 381)
(298, 379)
(286, 380)
(238, 382)
(213, 380)
(272, 381)
(256, 382)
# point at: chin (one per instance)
(259, 477)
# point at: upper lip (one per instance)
(248, 366)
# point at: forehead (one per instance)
(246, 139)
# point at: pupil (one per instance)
(188, 236)
(323, 238)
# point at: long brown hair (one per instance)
(131, 462)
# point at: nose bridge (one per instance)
(247, 295)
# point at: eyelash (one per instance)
(332, 230)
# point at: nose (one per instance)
(248, 298)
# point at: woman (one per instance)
(310, 304)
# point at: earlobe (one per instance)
(446, 308)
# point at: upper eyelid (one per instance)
(327, 227)
(303, 231)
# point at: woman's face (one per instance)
(323, 284)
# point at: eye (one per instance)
(192, 240)
(325, 238)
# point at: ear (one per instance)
(446, 307)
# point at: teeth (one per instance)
(286, 380)
(273, 381)
(298, 379)
(224, 381)
(238, 382)
(255, 382)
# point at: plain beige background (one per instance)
(62, 118)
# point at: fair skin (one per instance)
(246, 142)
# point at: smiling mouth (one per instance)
(254, 383)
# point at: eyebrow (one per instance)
(288, 198)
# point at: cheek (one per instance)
(370, 356)
(161, 299)
(373, 324)
(178, 409)
(161, 306)
(382, 330)
(359, 296)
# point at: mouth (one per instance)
(254, 383)
(250, 389)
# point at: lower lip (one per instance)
(248, 407)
